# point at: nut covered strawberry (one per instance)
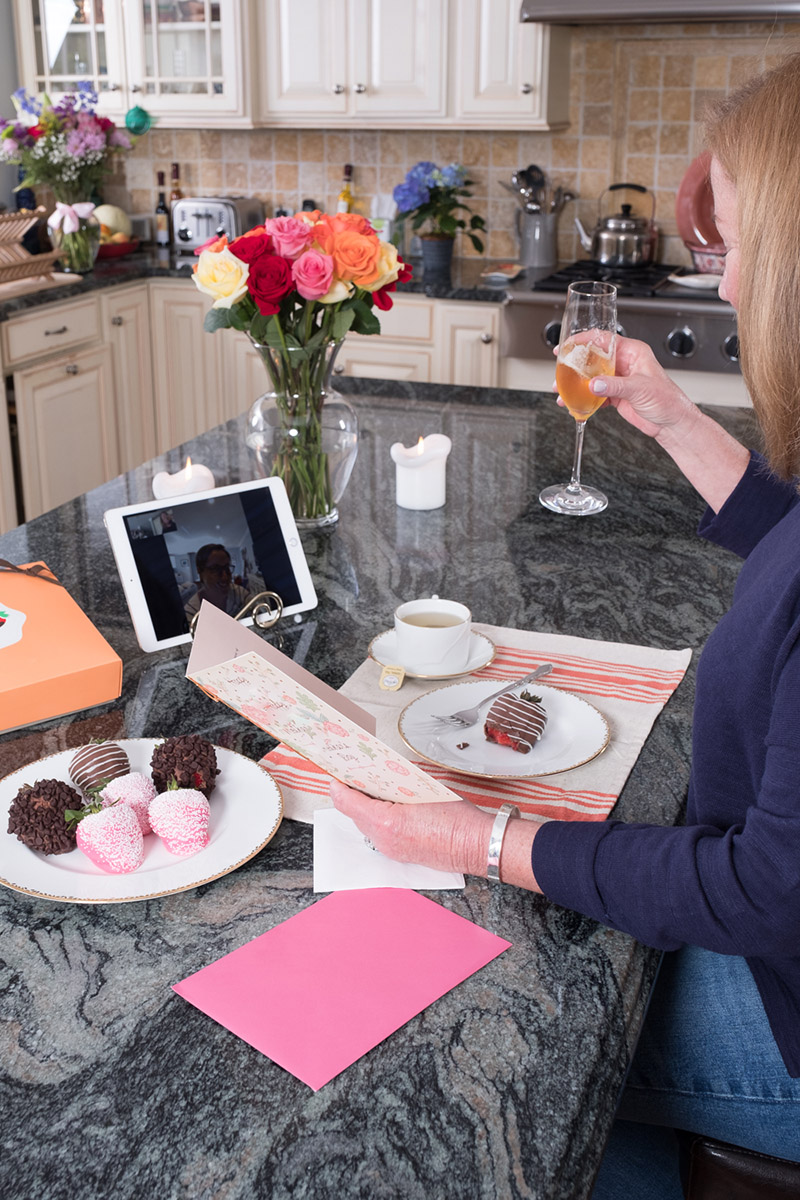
(190, 760)
(180, 817)
(111, 838)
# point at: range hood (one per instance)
(584, 12)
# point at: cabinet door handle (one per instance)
(136, 87)
(338, 88)
(360, 88)
(116, 320)
(55, 332)
(486, 338)
(113, 87)
(338, 370)
(71, 368)
(526, 89)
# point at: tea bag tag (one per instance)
(391, 679)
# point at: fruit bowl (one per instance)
(117, 249)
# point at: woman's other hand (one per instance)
(451, 836)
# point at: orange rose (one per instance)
(355, 257)
(349, 222)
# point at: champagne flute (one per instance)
(587, 348)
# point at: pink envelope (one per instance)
(321, 989)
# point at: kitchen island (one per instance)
(506, 1086)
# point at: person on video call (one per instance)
(215, 576)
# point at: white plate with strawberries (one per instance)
(246, 809)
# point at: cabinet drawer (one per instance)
(50, 329)
(409, 319)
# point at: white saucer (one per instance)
(383, 649)
(706, 282)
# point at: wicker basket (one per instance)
(15, 261)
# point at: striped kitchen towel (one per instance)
(628, 684)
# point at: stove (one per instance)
(690, 330)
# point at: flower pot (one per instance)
(305, 433)
(76, 234)
(437, 257)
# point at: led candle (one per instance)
(420, 471)
(193, 478)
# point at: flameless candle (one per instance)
(193, 478)
(421, 471)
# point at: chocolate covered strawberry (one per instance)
(110, 837)
(180, 818)
(189, 759)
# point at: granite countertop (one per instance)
(464, 282)
(506, 1086)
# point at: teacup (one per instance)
(433, 636)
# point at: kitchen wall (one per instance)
(8, 84)
(637, 94)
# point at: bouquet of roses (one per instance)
(66, 147)
(296, 286)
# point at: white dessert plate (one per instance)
(575, 733)
(703, 282)
(246, 810)
(383, 649)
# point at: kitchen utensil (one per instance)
(383, 650)
(466, 717)
(621, 239)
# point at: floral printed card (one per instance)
(293, 710)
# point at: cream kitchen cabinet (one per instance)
(187, 364)
(187, 63)
(466, 339)
(506, 74)
(125, 326)
(346, 62)
(67, 427)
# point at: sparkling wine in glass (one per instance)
(587, 348)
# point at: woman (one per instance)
(215, 574)
(720, 1050)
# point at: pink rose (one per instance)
(312, 273)
(289, 235)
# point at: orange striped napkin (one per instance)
(628, 684)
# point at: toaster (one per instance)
(195, 219)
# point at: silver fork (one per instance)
(466, 717)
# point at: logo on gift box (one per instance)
(11, 622)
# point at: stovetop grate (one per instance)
(630, 281)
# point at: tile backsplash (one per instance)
(637, 96)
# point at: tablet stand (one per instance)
(266, 609)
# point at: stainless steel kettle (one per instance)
(621, 239)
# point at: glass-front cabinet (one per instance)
(178, 59)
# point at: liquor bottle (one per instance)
(344, 202)
(176, 193)
(162, 214)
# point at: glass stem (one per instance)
(574, 484)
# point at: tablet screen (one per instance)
(224, 546)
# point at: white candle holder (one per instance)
(421, 472)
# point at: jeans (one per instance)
(706, 1062)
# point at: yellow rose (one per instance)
(222, 275)
(339, 290)
(387, 266)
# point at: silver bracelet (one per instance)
(504, 813)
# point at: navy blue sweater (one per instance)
(729, 879)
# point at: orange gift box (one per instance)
(53, 660)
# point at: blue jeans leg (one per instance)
(706, 1062)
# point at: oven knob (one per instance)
(185, 233)
(220, 230)
(730, 347)
(682, 343)
(552, 333)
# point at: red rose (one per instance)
(35, 131)
(382, 299)
(270, 279)
(251, 246)
(405, 272)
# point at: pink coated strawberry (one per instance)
(180, 818)
(112, 839)
(135, 790)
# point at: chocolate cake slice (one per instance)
(516, 721)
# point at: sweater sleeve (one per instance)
(734, 891)
(755, 505)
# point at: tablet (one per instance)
(223, 546)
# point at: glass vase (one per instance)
(304, 432)
(79, 248)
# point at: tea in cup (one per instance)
(433, 636)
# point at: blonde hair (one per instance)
(753, 133)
